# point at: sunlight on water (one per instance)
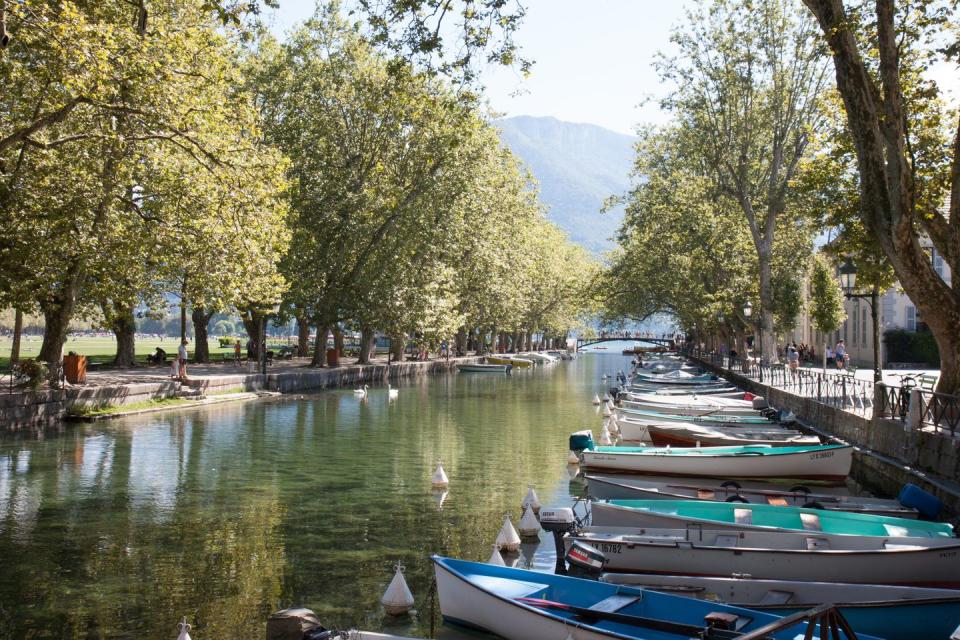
(117, 529)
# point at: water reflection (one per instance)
(228, 513)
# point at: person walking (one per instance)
(840, 355)
(793, 359)
(182, 360)
(236, 353)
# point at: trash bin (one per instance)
(252, 366)
(333, 358)
(75, 368)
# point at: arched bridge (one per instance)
(660, 342)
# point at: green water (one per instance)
(225, 514)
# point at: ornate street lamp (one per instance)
(848, 282)
(747, 309)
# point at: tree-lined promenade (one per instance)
(789, 121)
(169, 148)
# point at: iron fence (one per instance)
(939, 411)
(841, 390)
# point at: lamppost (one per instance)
(269, 311)
(848, 282)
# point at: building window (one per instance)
(856, 325)
(863, 327)
(912, 318)
(937, 261)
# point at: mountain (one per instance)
(577, 166)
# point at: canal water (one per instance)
(224, 514)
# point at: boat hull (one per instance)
(827, 465)
(705, 553)
(894, 613)
(484, 368)
(614, 488)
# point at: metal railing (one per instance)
(841, 390)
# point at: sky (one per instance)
(593, 61)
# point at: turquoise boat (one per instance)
(677, 514)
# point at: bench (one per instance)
(928, 382)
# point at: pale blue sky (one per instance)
(593, 59)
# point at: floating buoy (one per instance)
(495, 558)
(529, 526)
(440, 478)
(596, 399)
(606, 411)
(604, 377)
(573, 458)
(508, 539)
(184, 629)
(605, 440)
(397, 599)
(531, 500)
(606, 397)
(613, 427)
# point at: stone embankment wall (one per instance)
(32, 410)
(888, 454)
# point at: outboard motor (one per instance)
(614, 392)
(759, 402)
(581, 440)
(559, 521)
(586, 560)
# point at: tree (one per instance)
(748, 81)
(826, 300)
(908, 169)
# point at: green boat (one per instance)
(678, 514)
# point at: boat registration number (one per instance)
(606, 547)
(821, 454)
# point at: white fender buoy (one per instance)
(606, 411)
(606, 397)
(573, 458)
(184, 629)
(508, 539)
(604, 377)
(531, 500)
(529, 526)
(596, 399)
(612, 426)
(495, 558)
(397, 599)
(439, 478)
(605, 440)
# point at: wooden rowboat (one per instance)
(484, 368)
(778, 556)
(735, 516)
(602, 487)
(523, 605)
(680, 434)
(894, 613)
(823, 462)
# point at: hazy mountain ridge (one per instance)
(577, 166)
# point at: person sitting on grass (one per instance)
(157, 357)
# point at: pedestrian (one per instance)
(182, 359)
(840, 355)
(829, 355)
(236, 352)
(793, 359)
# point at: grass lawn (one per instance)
(101, 349)
(111, 409)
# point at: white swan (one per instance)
(361, 392)
(391, 392)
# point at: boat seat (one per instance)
(615, 602)
(775, 596)
(811, 521)
(776, 501)
(705, 494)
(510, 588)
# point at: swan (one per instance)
(361, 392)
(391, 392)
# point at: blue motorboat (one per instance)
(521, 605)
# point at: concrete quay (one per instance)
(121, 387)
